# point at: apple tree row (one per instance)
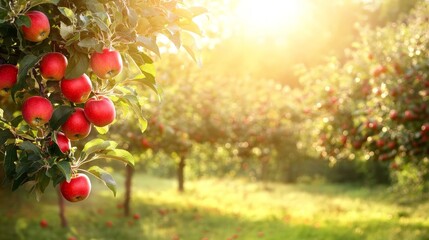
(374, 106)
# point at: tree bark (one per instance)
(62, 212)
(181, 174)
(128, 177)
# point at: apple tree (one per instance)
(68, 67)
(373, 107)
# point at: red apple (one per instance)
(409, 115)
(77, 126)
(145, 143)
(100, 111)
(380, 143)
(106, 64)
(379, 70)
(109, 224)
(393, 115)
(391, 144)
(37, 111)
(63, 142)
(76, 90)
(136, 216)
(8, 75)
(39, 28)
(43, 223)
(77, 189)
(53, 66)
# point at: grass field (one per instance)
(219, 210)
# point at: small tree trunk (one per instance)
(128, 177)
(62, 212)
(180, 174)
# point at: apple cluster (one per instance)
(37, 111)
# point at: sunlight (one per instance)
(271, 15)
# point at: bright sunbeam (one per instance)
(271, 16)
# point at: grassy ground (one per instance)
(220, 210)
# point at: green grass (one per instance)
(218, 210)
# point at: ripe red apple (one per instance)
(409, 115)
(380, 143)
(145, 143)
(136, 216)
(53, 66)
(37, 111)
(391, 144)
(106, 64)
(39, 27)
(43, 223)
(77, 126)
(100, 111)
(379, 70)
(8, 75)
(357, 144)
(77, 189)
(76, 90)
(343, 139)
(63, 142)
(393, 114)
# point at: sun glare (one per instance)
(271, 15)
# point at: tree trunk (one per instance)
(180, 174)
(128, 177)
(62, 213)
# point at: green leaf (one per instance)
(78, 65)
(10, 158)
(60, 116)
(67, 12)
(149, 43)
(23, 20)
(119, 154)
(131, 69)
(16, 121)
(43, 181)
(24, 66)
(34, 3)
(30, 147)
(102, 130)
(97, 145)
(105, 177)
(66, 31)
(5, 134)
(65, 168)
(88, 42)
(134, 104)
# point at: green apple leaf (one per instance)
(119, 154)
(5, 134)
(97, 145)
(10, 158)
(78, 65)
(16, 121)
(67, 12)
(60, 116)
(24, 66)
(105, 177)
(102, 130)
(23, 20)
(149, 43)
(65, 168)
(30, 147)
